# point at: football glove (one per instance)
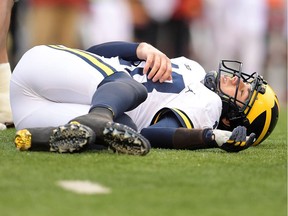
(234, 141)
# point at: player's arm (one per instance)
(124, 50)
(168, 133)
(158, 65)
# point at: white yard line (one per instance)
(83, 187)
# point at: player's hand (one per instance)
(157, 63)
(234, 141)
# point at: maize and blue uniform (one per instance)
(53, 84)
(50, 85)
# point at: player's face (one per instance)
(228, 86)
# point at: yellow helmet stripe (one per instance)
(265, 128)
(88, 57)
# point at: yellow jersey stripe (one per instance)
(156, 119)
(184, 117)
(181, 116)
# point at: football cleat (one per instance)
(123, 139)
(23, 140)
(71, 137)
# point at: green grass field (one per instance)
(165, 182)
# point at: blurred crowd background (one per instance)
(252, 31)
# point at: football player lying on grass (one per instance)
(129, 96)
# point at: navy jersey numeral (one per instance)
(176, 87)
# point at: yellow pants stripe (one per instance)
(102, 67)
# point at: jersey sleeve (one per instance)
(125, 50)
(182, 118)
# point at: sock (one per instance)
(126, 120)
(5, 109)
(96, 119)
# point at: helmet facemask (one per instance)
(235, 110)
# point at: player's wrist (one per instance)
(140, 51)
(209, 138)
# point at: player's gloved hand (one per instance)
(234, 141)
(157, 63)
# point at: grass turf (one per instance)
(165, 182)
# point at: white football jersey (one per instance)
(53, 84)
(185, 93)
